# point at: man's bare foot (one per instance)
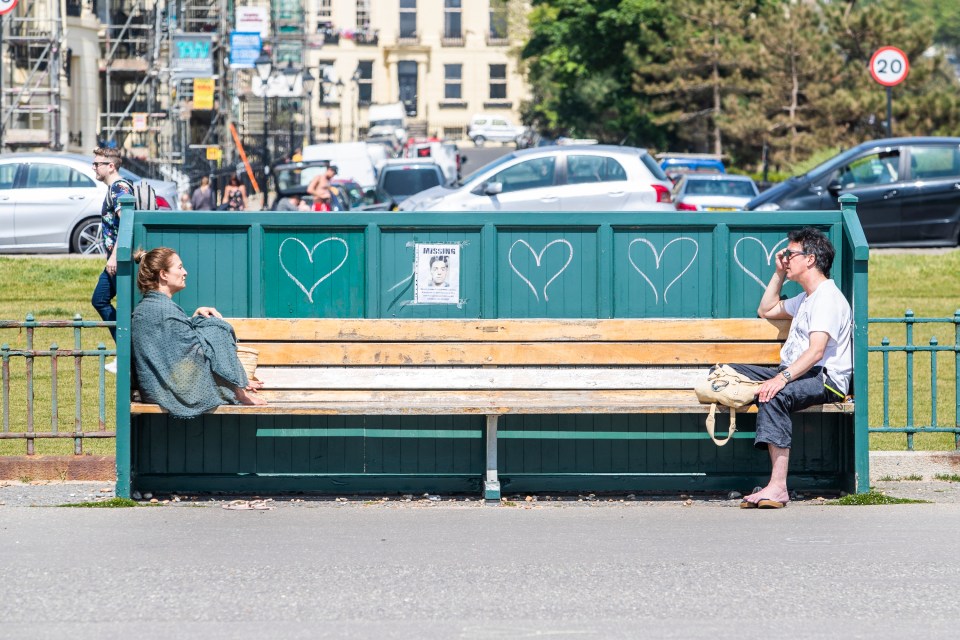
(249, 397)
(253, 385)
(777, 494)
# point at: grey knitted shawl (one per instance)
(187, 365)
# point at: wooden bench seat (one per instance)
(494, 367)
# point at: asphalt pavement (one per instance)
(434, 567)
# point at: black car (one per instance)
(908, 190)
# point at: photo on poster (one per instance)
(438, 274)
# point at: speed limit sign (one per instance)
(6, 6)
(889, 66)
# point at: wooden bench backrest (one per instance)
(505, 343)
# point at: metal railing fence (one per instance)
(27, 418)
(912, 378)
(897, 413)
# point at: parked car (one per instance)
(568, 178)
(713, 192)
(484, 126)
(676, 165)
(403, 177)
(447, 155)
(908, 190)
(50, 202)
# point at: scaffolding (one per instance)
(30, 76)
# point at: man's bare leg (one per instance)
(776, 488)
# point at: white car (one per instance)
(570, 178)
(714, 192)
(50, 203)
(485, 127)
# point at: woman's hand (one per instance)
(206, 312)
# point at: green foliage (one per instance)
(945, 477)
(738, 76)
(872, 498)
(112, 503)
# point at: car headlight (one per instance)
(768, 206)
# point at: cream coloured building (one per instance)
(444, 59)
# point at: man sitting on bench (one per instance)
(815, 361)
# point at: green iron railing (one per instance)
(27, 411)
(911, 349)
(27, 421)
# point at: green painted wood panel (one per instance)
(313, 273)
(397, 277)
(663, 273)
(217, 264)
(549, 272)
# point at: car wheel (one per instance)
(479, 140)
(87, 238)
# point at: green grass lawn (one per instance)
(57, 288)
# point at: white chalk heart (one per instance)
(768, 254)
(310, 252)
(658, 257)
(538, 257)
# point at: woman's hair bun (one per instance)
(138, 255)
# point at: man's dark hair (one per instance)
(110, 153)
(333, 168)
(816, 244)
(442, 259)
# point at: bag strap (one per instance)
(711, 424)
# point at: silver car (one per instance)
(569, 178)
(50, 203)
(714, 192)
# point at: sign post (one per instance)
(889, 66)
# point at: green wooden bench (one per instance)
(563, 362)
(495, 367)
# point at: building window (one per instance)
(325, 11)
(452, 15)
(498, 22)
(363, 15)
(364, 77)
(498, 82)
(408, 18)
(452, 81)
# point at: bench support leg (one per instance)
(491, 483)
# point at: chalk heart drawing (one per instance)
(538, 257)
(310, 252)
(767, 253)
(658, 257)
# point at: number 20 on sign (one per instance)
(889, 66)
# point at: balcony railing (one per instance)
(408, 38)
(452, 40)
(365, 37)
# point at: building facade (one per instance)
(444, 59)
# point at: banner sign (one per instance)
(139, 122)
(253, 20)
(203, 93)
(191, 55)
(244, 49)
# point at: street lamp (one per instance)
(264, 68)
(290, 74)
(309, 82)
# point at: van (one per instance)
(388, 120)
(352, 160)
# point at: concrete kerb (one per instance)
(52, 480)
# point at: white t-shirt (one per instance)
(824, 310)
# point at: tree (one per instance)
(574, 63)
(703, 58)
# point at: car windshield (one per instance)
(740, 188)
(485, 169)
(408, 181)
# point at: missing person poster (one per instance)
(437, 268)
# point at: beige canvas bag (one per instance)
(726, 386)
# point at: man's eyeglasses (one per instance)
(789, 253)
(97, 164)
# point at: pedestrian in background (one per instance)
(202, 199)
(106, 166)
(234, 196)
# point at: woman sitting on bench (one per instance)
(187, 365)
